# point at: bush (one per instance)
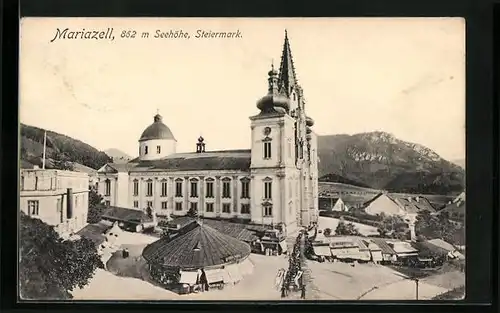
(51, 268)
(327, 232)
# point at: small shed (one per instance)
(388, 253)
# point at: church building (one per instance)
(273, 182)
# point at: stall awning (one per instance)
(322, 250)
(188, 277)
(214, 276)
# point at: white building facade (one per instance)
(274, 182)
(58, 198)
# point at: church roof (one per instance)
(215, 249)
(209, 160)
(157, 130)
(287, 77)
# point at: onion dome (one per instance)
(308, 136)
(308, 130)
(309, 121)
(198, 246)
(273, 101)
(157, 130)
(201, 139)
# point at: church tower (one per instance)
(282, 144)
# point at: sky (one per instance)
(404, 76)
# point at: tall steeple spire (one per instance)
(287, 78)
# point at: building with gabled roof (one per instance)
(275, 182)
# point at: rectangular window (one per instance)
(245, 208)
(146, 150)
(22, 182)
(149, 192)
(194, 189)
(107, 203)
(178, 206)
(226, 189)
(245, 189)
(268, 190)
(158, 149)
(136, 204)
(210, 207)
(107, 186)
(226, 208)
(164, 205)
(210, 189)
(164, 189)
(136, 187)
(268, 210)
(33, 207)
(193, 206)
(36, 183)
(97, 187)
(150, 204)
(267, 150)
(178, 189)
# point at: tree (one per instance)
(96, 207)
(61, 161)
(327, 232)
(393, 226)
(346, 229)
(439, 227)
(49, 267)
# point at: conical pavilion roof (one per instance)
(215, 249)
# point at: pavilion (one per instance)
(196, 248)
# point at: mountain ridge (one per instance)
(382, 161)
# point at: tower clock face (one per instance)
(267, 131)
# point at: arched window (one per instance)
(107, 187)
(267, 148)
(268, 188)
(178, 187)
(149, 188)
(226, 187)
(245, 188)
(209, 188)
(136, 187)
(164, 186)
(194, 188)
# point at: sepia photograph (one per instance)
(246, 159)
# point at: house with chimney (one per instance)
(58, 198)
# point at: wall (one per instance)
(383, 204)
(49, 188)
(168, 147)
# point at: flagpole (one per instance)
(44, 148)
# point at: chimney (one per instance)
(409, 199)
(417, 198)
(69, 203)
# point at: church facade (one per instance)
(274, 182)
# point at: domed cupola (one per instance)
(273, 102)
(157, 130)
(156, 141)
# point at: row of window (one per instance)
(209, 207)
(158, 150)
(209, 193)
